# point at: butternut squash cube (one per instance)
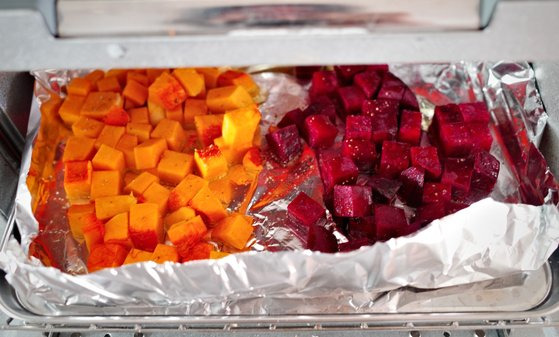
(79, 217)
(206, 203)
(140, 130)
(79, 86)
(49, 109)
(234, 77)
(148, 153)
(233, 230)
(78, 148)
(77, 179)
(164, 253)
(192, 142)
(108, 158)
(156, 112)
(181, 214)
(138, 77)
(193, 107)
(146, 226)
(186, 233)
(98, 104)
(107, 207)
(182, 194)
(252, 161)
(109, 84)
(175, 114)
(210, 162)
(105, 183)
(192, 82)
(106, 256)
(120, 75)
(167, 91)
(110, 135)
(141, 183)
(233, 155)
(116, 230)
(137, 256)
(222, 189)
(174, 166)
(208, 128)
(154, 73)
(70, 109)
(157, 194)
(139, 115)
(94, 76)
(172, 132)
(135, 92)
(128, 177)
(228, 98)
(93, 232)
(239, 127)
(198, 251)
(87, 127)
(126, 145)
(210, 76)
(239, 176)
(218, 255)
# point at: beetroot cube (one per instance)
(458, 173)
(294, 117)
(447, 114)
(485, 172)
(376, 107)
(305, 209)
(323, 82)
(391, 88)
(394, 158)
(474, 112)
(481, 136)
(285, 143)
(384, 190)
(347, 72)
(427, 213)
(384, 118)
(353, 244)
(412, 180)
(305, 72)
(352, 201)
(352, 99)
(361, 151)
(379, 68)
(426, 158)
(409, 101)
(320, 132)
(358, 127)
(410, 127)
(322, 106)
(322, 240)
(369, 82)
(454, 206)
(436, 192)
(390, 222)
(336, 169)
(456, 139)
(361, 228)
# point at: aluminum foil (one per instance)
(491, 239)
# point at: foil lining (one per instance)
(489, 240)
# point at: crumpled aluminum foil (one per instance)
(483, 242)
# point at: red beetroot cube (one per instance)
(384, 190)
(412, 180)
(294, 117)
(376, 107)
(353, 244)
(361, 151)
(390, 222)
(322, 106)
(347, 72)
(474, 112)
(391, 88)
(369, 82)
(320, 132)
(361, 228)
(336, 169)
(409, 101)
(352, 201)
(384, 118)
(481, 136)
(446, 114)
(285, 143)
(322, 240)
(379, 68)
(485, 172)
(458, 173)
(427, 213)
(426, 158)
(305, 209)
(358, 127)
(305, 72)
(352, 99)
(323, 82)
(394, 158)
(410, 127)
(456, 139)
(436, 192)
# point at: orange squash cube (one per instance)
(167, 91)
(181, 214)
(139, 115)
(234, 77)
(140, 130)
(156, 112)
(128, 177)
(192, 82)
(206, 203)
(93, 232)
(110, 135)
(228, 98)
(49, 109)
(182, 194)
(194, 107)
(137, 256)
(138, 77)
(135, 92)
(126, 145)
(79, 217)
(233, 155)
(146, 226)
(222, 189)
(199, 251)
(141, 183)
(116, 230)
(105, 183)
(218, 255)
(233, 230)
(70, 109)
(174, 166)
(87, 127)
(78, 148)
(116, 117)
(210, 76)
(175, 114)
(120, 74)
(252, 161)
(79, 86)
(107, 207)
(208, 128)
(191, 141)
(108, 158)
(109, 84)
(164, 253)
(148, 153)
(157, 194)
(94, 76)
(154, 73)
(106, 256)
(239, 127)
(239, 176)
(210, 162)
(77, 179)
(98, 104)
(172, 132)
(186, 233)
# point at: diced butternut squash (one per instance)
(105, 183)
(148, 153)
(206, 203)
(239, 127)
(234, 77)
(239, 176)
(110, 135)
(87, 127)
(210, 162)
(146, 226)
(128, 177)
(93, 232)
(126, 145)
(128, 104)
(141, 130)
(222, 189)
(175, 114)
(108, 158)
(108, 84)
(181, 214)
(192, 82)
(186, 233)
(153, 73)
(98, 104)
(49, 108)
(174, 166)
(135, 92)
(79, 217)
(79, 86)
(208, 128)
(233, 155)
(116, 117)
(252, 161)
(94, 76)
(193, 107)
(106, 256)
(156, 112)
(70, 109)
(116, 230)
(199, 251)
(164, 253)
(172, 132)
(182, 194)
(78, 148)
(218, 255)
(228, 98)
(210, 76)
(107, 207)
(192, 142)
(157, 194)
(139, 115)
(233, 230)
(120, 74)
(141, 183)
(167, 91)
(77, 179)
(138, 77)
(137, 256)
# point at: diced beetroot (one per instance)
(436, 192)
(361, 151)
(410, 127)
(409, 101)
(412, 180)
(454, 206)
(455, 139)
(485, 172)
(390, 222)
(361, 228)
(336, 169)
(457, 173)
(347, 72)
(369, 82)
(474, 112)
(305, 209)
(384, 190)
(376, 107)
(427, 213)
(319, 131)
(426, 158)
(395, 157)
(380, 68)
(391, 88)
(322, 240)
(481, 136)
(305, 72)
(352, 99)
(323, 82)
(446, 114)
(285, 143)
(384, 118)
(294, 117)
(352, 201)
(322, 106)
(358, 127)
(353, 244)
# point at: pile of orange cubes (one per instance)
(154, 159)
